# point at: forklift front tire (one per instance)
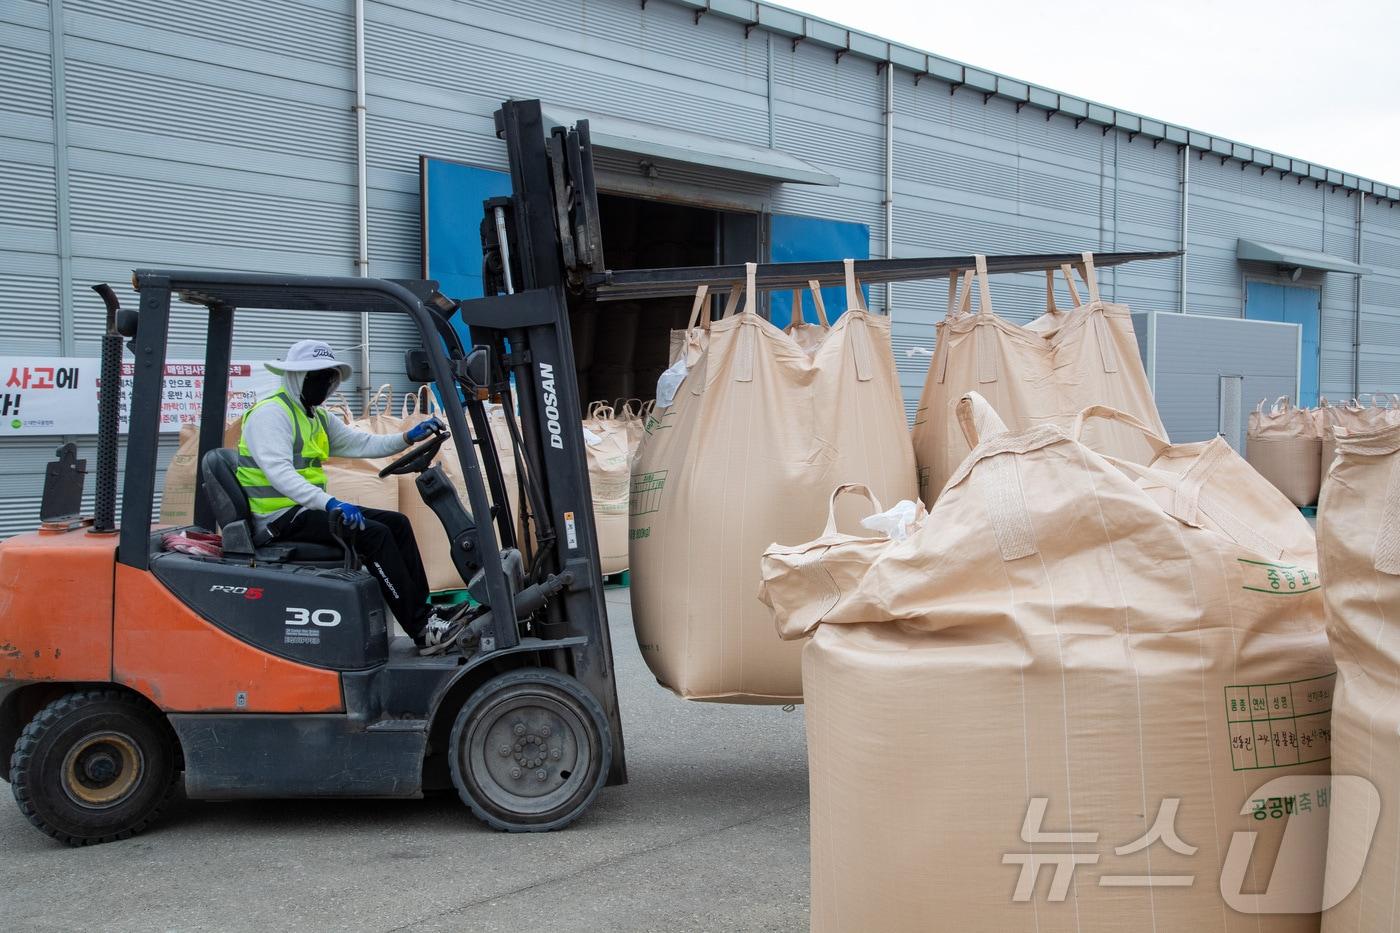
(93, 766)
(530, 750)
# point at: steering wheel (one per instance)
(419, 458)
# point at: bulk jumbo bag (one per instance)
(1043, 373)
(630, 415)
(1285, 445)
(505, 453)
(1358, 527)
(759, 433)
(1056, 706)
(1325, 417)
(182, 475)
(1355, 418)
(433, 545)
(609, 478)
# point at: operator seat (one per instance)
(235, 519)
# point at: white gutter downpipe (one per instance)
(1356, 322)
(889, 179)
(362, 189)
(1185, 214)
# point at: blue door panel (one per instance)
(1292, 304)
(452, 196)
(813, 239)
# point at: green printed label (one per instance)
(655, 422)
(638, 534)
(1279, 579)
(646, 492)
(1278, 725)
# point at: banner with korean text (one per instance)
(58, 395)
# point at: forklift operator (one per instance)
(286, 438)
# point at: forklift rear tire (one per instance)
(530, 750)
(93, 766)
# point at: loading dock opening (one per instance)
(621, 348)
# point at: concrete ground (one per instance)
(711, 834)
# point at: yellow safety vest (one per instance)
(311, 446)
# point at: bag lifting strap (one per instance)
(857, 488)
(996, 478)
(957, 307)
(743, 356)
(731, 304)
(855, 298)
(380, 402)
(1387, 550)
(998, 482)
(988, 369)
(815, 287)
(701, 293)
(859, 336)
(1065, 270)
(1107, 354)
(797, 315)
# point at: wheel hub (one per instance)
(529, 750)
(102, 769)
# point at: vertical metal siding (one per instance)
(204, 134)
(1229, 201)
(30, 309)
(1380, 299)
(1337, 293)
(1148, 218)
(976, 175)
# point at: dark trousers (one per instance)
(389, 551)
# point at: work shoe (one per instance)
(438, 635)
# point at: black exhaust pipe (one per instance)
(108, 417)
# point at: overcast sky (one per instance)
(1311, 80)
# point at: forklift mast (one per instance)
(539, 245)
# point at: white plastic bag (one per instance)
(670, 383)
(897, 522)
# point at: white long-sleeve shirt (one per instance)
(269, 435)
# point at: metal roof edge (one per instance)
(1283, 254)
(802, 27)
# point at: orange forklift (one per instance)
(271, 670)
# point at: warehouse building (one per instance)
(339, 137)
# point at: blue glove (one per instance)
(422, 429)
(351, 513)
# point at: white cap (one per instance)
(306, 356)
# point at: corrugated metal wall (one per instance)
(1379, 359)
(197, 133)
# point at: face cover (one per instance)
(317, 386)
